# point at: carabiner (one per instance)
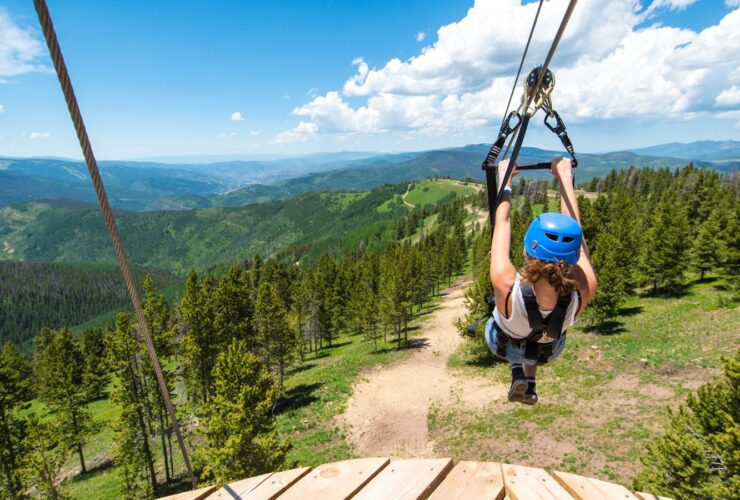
(559, 127)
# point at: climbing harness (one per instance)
(92, 165)
(538, 87)
(549, 328)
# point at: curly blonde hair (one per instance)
(558, 274)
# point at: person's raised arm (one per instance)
(502, 271)
(562, 169)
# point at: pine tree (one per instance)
(95, 368)
(200, 343)
(14, 388)
(44, 457)
(61, 387)
(698, 457)
(706, 252)
(132, 450)
(234, 309)
(667, 244)
(160, 322)
(276, 339)
(240, 439)
(611, 292)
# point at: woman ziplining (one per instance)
(530, 310)
(535, 306)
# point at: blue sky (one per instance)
(184, 78)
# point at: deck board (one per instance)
(276, 484)
(472, 480)
(198, 494)
(417, 479)
(525, 483)
(238, 488)
(406, 479)
(336, 481)
(587, 488)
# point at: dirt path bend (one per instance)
(408, 188)
(387, 413)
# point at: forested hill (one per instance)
(34, 295)
(155, 186)
(457, 163)
(311, 224)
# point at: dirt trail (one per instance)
(408, 188)
(387, 413)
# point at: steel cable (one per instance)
(92, 166)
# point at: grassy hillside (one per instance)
(179, 240)
(429, 192)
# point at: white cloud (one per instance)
(2, 108)
(226, 135)
(255, 133)
(420, 36)
(20, 49)
(38, 135)
(286, 97)
(301, 133)
(608, 64)
(669, 4)
(312, 92)
(729, 97)
(236, 116)
(732, 3)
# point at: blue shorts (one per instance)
(516, 354)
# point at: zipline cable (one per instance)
(521, 62)
(491, 172)
(92, 165)
(526, 103)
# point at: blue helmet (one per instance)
(553, 237)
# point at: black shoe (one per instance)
(530, 395)
(516, 391)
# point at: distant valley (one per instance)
(142, 186)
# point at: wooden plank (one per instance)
(650, 496)
(198, 494)
(587, 488)
(472, 480)
(238, 488)
(335, 481)
(276, 484)
(406, 480)
(525, 483)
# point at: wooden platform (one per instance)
(434, 478)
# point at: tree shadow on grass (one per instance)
(179, 484)
(675, 292)
(297, 397)
(630, 311)
(610, 327)
(336, 345)
(416, 343)
(302, 368)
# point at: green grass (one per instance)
(430, 191)
(606, 397)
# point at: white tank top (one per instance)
(517, 325)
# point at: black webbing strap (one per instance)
(559, 129)
(553, 325)
(533, 313)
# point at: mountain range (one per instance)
(148, 185)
